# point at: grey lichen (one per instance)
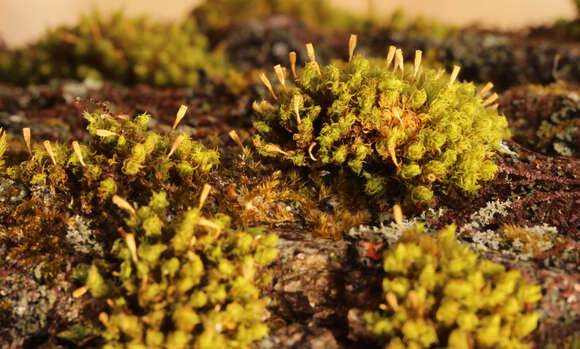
(80, 235)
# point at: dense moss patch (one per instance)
(402, 124)
(173, 277)
(440, 293)
(116, 48)
(183, 282)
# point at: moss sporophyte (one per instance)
(385, 121)
(3, 146)
(175, 277)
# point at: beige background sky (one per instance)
(23, 20)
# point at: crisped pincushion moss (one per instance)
(440, 294)
(417, 128)
(122, 158)
(117, 48)
(216, 14)
(189, 283)
(219, 12)
(177, 279)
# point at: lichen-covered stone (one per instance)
(545, 118)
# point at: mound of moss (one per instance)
(121, 158)
(216, 14)
(419, 26)
(116, 48)
(175, 277)
(71, 186)
(184, 282)
(438, 293)
(401, 125)
(570, 27)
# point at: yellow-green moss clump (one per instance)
(216, 14)
(570, 27)
(121, 158)
(399, 21)
(402, 124)
(189, 283)
(116, 48)
(438, 293)
(176, 279)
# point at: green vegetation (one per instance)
(440, 294)
(122, 158)
(70, 204)
(176, 279)
(116, 48)
(116, 240)
(568, 28)
(191, 282)
(405, 124)
(217, 14)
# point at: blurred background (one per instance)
(21, 21)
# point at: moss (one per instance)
(35, 233)
(107, 188)
(217, 14)
(117, 48)
(79, 334)
(179, 276)
(440, 293)
(132, 169)
(256, 192)
(568, 28)
(3, 145)
(96, 284)
(398, 21)
(423, 128)
(175, 277)
(196, 283)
